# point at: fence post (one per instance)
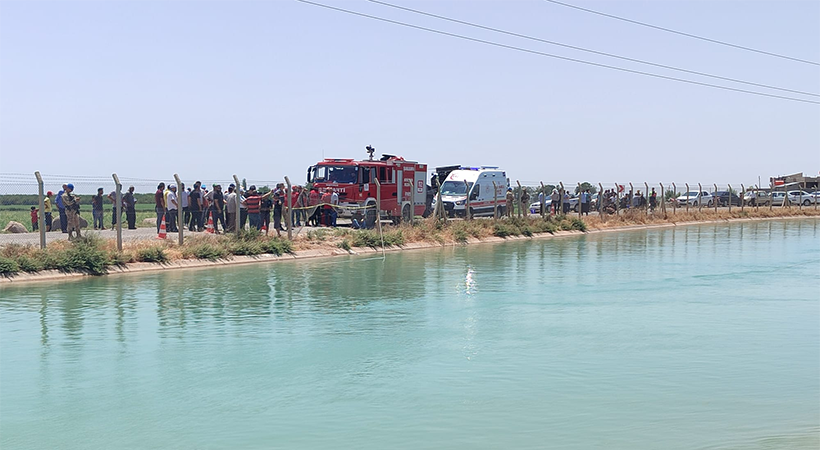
(180, 214)
(663, 200)
(41, 215)
(289, 201)
(561, 199)
(468, 215)
(714, 200)
(238, 206)
(118, 200)
(379, 205)
(675, 196)
(617, 198)
(518, 199)
(495, 201)
(730, 197)
(645, 197)
(541, 203)
(687, 197)
(742, 195)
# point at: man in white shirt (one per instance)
(172, 208)
(230, 209)
(183, 201)
(334, 200)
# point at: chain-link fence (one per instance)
(34, 209)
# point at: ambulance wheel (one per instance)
(406, 213)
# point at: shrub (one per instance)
(460, 236)
(345, 244)
(154, 254)
(85, 255)
(29, 264)
(205, 250)
(8, 266)
(277, 246)
(246, 247)
(578, 224)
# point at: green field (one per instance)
(22, 214)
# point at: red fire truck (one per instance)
(403, 185)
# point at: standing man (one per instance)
(230, 209)
(129, 202)
(243, 208)
(97, 209)
(183, 201)
(218, 207)
(71, 203)
(47, 209)
(253, 203)
(172, 208)
(334, 201)
(653, 199)
(301, 204)
(525, 201)
(159, 204)
(194, 204)
(278, 200)
(510, 202)
(541, 199)
(555, 201)
(61, 209)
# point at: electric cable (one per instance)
(639, 61)
(714, 41)
(535, 52)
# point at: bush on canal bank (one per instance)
(94, 255)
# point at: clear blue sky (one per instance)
(264, 89)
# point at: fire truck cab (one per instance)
(403, 186)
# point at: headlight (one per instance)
(460, 202)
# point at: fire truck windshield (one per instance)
(334, 174)
(454, 188)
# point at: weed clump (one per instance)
(153, 254)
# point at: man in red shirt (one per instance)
(159, 201)
(253, 202)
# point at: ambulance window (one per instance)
(476, 190)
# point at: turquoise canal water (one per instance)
(700, 337)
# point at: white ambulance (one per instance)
(477, 182)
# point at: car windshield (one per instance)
(454, 188)
(335, 174)
(689, 194)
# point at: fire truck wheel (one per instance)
(371, 214)
(406, 213)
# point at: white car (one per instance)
(756, 198)
(695, 198)
(801, 197)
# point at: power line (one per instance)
(588, 50)
(535, 52)
(714, 41)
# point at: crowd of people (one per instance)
(198, 208)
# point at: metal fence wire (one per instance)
(31, 213)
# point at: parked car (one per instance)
(801, 197)
(777, 198)
(535, 208)
(695, 198)
(756, 198)
(724, 197)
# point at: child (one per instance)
(34, 218)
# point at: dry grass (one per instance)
(633, 217)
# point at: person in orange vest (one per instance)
(313, 200)
(326, 207)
